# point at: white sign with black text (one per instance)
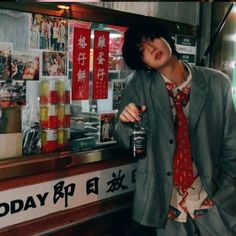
(30, 202)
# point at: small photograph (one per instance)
(107, 125)
(54, 64)
(31, 139)
(5, 60)
(25, 66)
(12, 93)
(48, 33)
(117, 89)
(10, 120)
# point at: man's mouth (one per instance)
(158, 56)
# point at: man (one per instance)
(186, 184)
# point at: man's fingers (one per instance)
(143, 108)
(131, 113)
(127, 116)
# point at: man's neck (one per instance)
(175, 71)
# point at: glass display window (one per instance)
(61, 66)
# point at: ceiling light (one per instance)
(63, 7)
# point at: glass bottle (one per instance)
(138, 141)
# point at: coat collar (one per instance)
(198, 95)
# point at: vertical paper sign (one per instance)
(81, 55)
(100, 62)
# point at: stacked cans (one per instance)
(55, 114)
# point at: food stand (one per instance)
(75, 178)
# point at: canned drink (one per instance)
(67, 130)
(49, 140)
(60, 115)
(48, 93)
(67, 97)
(60, 87)
(44, 118)
(67, 91)
(48, 116)
(63, 136)
(67, 116)
(67, 138)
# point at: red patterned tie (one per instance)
(183, 165)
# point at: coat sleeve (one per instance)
(132, 94)
(226, 180)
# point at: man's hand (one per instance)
(131, 113)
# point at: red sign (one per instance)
(100, 65)
(81, 55)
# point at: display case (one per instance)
(65, 171)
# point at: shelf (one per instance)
(38, 164)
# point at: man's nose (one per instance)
(151, 48)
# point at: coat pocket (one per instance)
(212, 223)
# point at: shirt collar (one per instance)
(186, 83)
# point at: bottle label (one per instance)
(139, 143)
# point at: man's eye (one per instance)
(141, 48)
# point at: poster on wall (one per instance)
(48, 33)
(100, 64)
(12, 93)
(107, 126)
(81, 59)
(72, 24)
(5, 60)
(10, 122)
(54, 64)
(25, 66)
(117, 91)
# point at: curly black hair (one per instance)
(135, 34)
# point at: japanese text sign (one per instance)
(100, 63)
(81, 56)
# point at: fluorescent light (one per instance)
(111, 35)
(63, 7)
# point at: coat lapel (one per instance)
(197, 97)
(160, 98)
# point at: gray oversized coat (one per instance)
(212, 122)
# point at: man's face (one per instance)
(156, 52)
